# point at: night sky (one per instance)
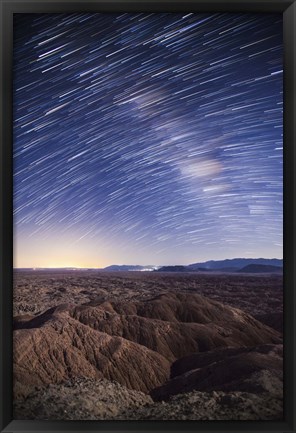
(147, 138)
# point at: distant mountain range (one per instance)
(235, 263)
(230, 265)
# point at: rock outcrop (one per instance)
(132, 343)
(61, 348)
(253, 370)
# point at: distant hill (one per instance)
(176, 268)
(118, 268)
(229, 265)
(234, 264)
(253, 269)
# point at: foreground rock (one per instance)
(62, 348)
(102, 400)
(173, 325)
(255, 370)
(134, 344)
(80, 399)
(210, 406)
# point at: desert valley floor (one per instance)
(147, 345)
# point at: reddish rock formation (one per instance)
(132, 343)
(62, 348)
(175, 325)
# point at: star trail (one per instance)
(147, 138)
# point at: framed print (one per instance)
(147, 216)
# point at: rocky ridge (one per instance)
(173, 346)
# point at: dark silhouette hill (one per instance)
(274, 320)
(236, 263)
(173, 268)
(256, 268)
(256, 369)
(228, 265)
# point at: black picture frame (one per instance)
(8, 8)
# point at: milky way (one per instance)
(147, 138)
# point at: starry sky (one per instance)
(147, 138)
